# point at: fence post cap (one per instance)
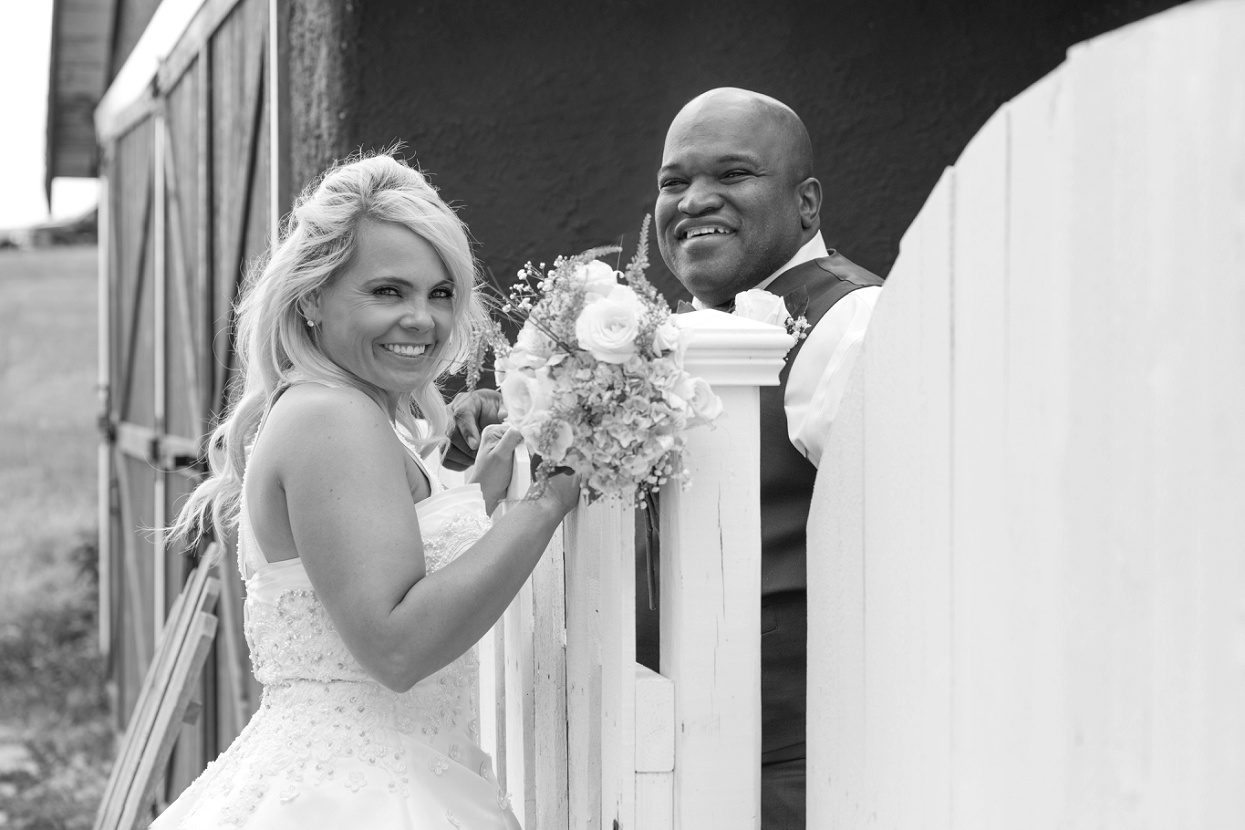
(729, 350)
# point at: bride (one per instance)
(368, 583)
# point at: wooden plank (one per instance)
(519, 704)
(104, 471)
(551, 807)
(1040, 292)
(617, 656)
(182, 280)
(654, 800)
(908, 499)
(172, 714)
(204, 244)
(192, 41)
(131, 563)
(280, 189)
(234, 667)
(123, 767)
(130, 348)
(167, 688)
(159, 370)
(253, 111)
(710, 618)
(583, 670)
(983, 714)
(838, 787)
(879, 557)
(654, 719)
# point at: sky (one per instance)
(25, 44)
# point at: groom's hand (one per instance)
(471, 413)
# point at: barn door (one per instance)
(188, 210)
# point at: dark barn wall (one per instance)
(546, 120)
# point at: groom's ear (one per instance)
(809, 193)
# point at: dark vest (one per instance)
(787, 479)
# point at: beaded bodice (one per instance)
(290, 634)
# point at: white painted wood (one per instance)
(519, 705)
(710, 578)
(654, 721)
(618, 666)
(1052, 636)
(882, 559)
(1039, 292)
(654, 750)
(549, 767)
(654, 800)
(982, 667)
(584, 538)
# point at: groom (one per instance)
(738, 208)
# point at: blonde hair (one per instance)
(275, 348)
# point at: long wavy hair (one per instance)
(275, 348)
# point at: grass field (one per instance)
(53, 706)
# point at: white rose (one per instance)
(762, 306)
(533, 340)
(608, 327)
(668, 337)
(525, 399)
(599, 280)
(520, 359)
(705, 404)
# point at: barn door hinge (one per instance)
(107, 428)
(170, 454)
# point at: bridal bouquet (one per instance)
(595, 379)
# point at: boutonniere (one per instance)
(762, 306)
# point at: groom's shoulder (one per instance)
(843, 269)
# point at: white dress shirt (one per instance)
(823, 367)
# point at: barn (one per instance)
(544, 121)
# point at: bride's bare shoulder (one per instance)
(311, 419)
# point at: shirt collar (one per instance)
(814, 248)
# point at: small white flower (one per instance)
(762, 306)
(668, 337)
(705, 404)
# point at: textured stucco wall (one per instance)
(546, 120)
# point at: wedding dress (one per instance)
(330, 747)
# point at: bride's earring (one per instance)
(311, 324)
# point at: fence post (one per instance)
(711, 579)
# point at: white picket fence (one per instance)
(1027, 543)
(581, 734)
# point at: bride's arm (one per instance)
(356, 529)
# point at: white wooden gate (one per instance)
(1027, 544)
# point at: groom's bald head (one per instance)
(736, 193)
(753, 110)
